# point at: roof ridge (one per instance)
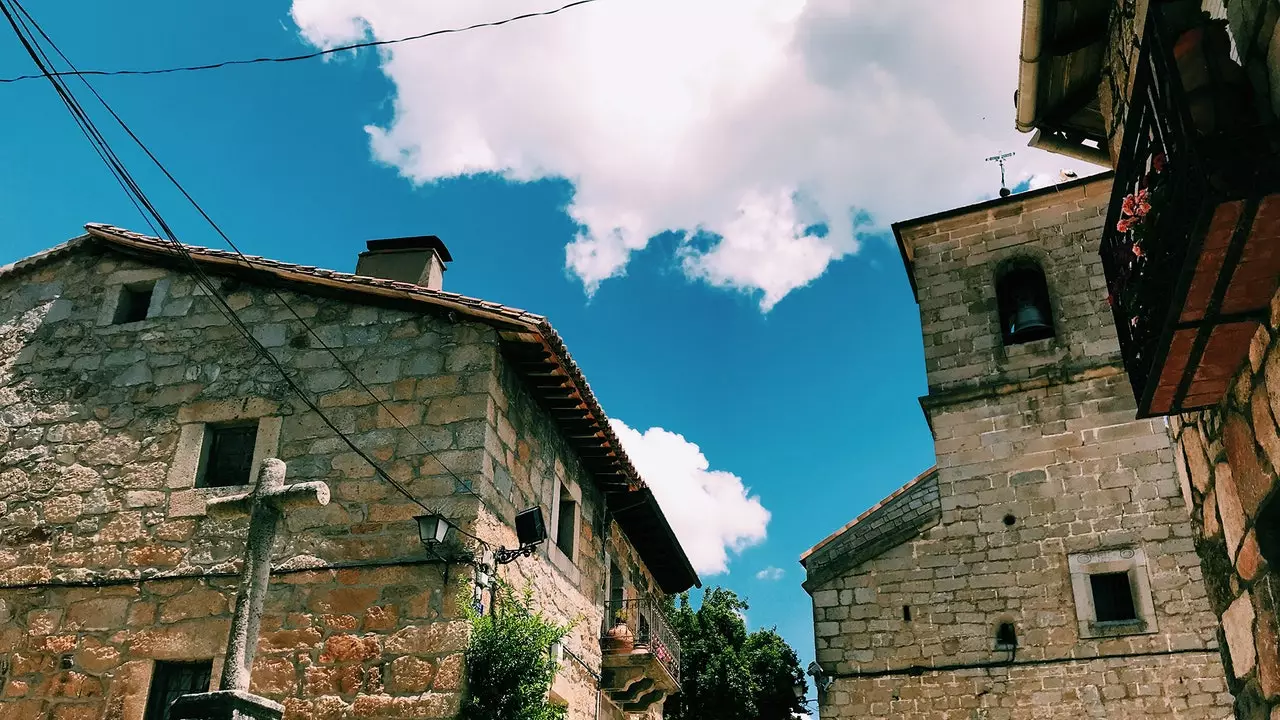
(933, 469)
(101, 229)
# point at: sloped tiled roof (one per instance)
(532, 346)
(887, 524)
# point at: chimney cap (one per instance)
(417, 242)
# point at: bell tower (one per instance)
(1011, 291)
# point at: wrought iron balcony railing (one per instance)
(1191, 246)
(639, 626)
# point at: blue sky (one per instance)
(812, 405)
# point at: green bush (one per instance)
(509, 665)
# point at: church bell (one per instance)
(1029, 320)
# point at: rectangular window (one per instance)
(226, 457)
(1112, 597)
(170, 680)
(568, 523)
(134, 302)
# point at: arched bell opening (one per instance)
(1023, 299)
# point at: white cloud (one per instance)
(771, 573)
(712, 512)
(749, 121)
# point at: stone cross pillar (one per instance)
(265, 506)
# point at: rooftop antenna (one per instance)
(1004, 191)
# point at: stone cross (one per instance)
(265, 506)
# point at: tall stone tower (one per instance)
(1044, 568)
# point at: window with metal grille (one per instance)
(1112, 597)
(568, 523)
(171, 680)
(133, 303)
(226, 458)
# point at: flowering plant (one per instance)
(661, 651)
(1136, 208)
(1139, 211)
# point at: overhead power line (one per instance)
(22, 24)
(244, 259)
(304, 56)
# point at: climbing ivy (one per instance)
(509, 665)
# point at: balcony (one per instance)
(641, 655)
(1191, 246)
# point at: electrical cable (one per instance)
(149, 212)
(459, 482)
(304, 56)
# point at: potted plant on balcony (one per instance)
(619, 638)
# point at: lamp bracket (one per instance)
(502, 556)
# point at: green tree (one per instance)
(726, 672)
(509, 665)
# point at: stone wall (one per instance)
(100, 433)
(1229, 456)
(531, 462)
(1097, 480)
(1164, 687)
(351, 643)
(1226, 481)
(1042, 473)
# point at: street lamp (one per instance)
(531, 530)
(432, 529)
(800, 689)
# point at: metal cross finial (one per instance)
(1004, 191)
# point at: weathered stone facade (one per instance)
(1228, 455)
(1228, 458)
(1044, 479)
(108, 562)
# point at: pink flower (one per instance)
(1137, 204)
(1111, 301)
(1137, 250)
(1126, 223)
(1143, 202)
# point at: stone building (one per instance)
(127, 401)
(1181, 99)
(1044, 568)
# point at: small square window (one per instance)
(226, 457)
(1112, 593)
(1112, 597)
(134, 302)
(567, 524)
(171, 680)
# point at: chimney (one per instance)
(418, 260)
